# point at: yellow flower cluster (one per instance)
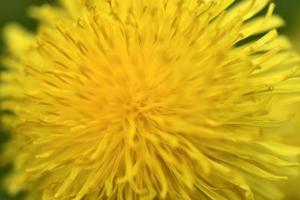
(149, 99)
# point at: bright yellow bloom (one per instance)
(149, 99)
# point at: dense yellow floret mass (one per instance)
(149, 99)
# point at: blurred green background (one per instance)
(12, 11)
(16, 11)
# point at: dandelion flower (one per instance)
(148, 99)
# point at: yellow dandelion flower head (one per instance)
(149, 99)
